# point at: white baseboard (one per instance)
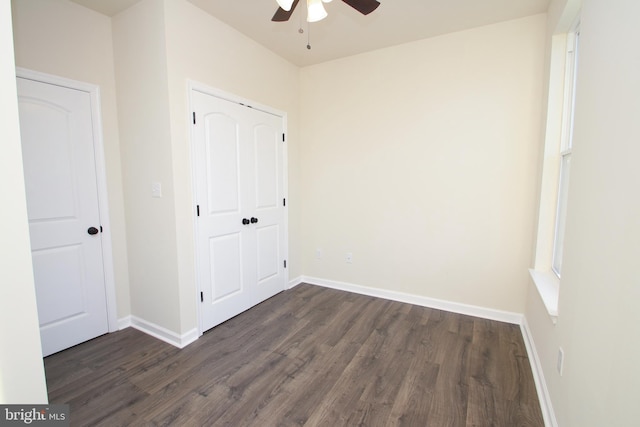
(294, 282)
(124, 323)
(538, 376)
(158, 332)
(455, 307)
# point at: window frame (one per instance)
(558, 144)
(566, 146)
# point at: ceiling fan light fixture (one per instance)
(285, 4)
(315, 11)
(326, 1)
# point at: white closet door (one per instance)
(239, 192)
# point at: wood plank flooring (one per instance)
(308, 356)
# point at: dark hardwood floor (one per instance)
(308, 356)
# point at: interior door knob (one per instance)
(254, 220)
(92, 230)
(245, 221)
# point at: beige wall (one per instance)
(21, 368)
(599, 290)
(159, 46)
(420, 159)
(143, 112)
(61, 38)
(203, 49)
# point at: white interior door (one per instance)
(62, 204)
(241, 213)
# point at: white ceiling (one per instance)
(345, 31)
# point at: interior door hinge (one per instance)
(283, 137)
(201, 296)
(101, 229)
(194, 117)
(284, 202)
(285, 263)
(198, 210)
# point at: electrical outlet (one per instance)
(318, 253)
(348, 258)
(560, 364)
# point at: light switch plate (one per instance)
(156, 189)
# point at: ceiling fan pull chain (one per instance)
(308, 36)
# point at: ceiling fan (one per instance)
(283, 14)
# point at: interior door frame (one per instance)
(101, 179)
(192, 86)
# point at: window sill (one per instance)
(548, 286)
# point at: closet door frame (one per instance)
(218, 93)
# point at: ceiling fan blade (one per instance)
(282, 15)
(363, 6)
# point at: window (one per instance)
(556, 166)
(566, 145)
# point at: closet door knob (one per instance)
(254, 220)
(245, 221)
